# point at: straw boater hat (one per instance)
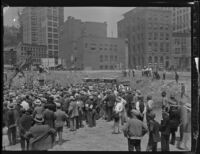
(71, 98)
(39, 118)
(37, 102)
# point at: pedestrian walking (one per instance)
(182, 90)
(164, 74)
(134, 130)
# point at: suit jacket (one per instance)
(37, 130)
(154, 129)
(49, 117)
(73, 109)
(25, 123)
(60, 118)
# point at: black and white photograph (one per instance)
(97, 78)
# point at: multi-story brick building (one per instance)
(149, 33)
(100, 53)
(10, 56)
(181, 49)
(37, 52)
(42, 26)
(73, 30)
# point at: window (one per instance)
(155, 46)
(55, 35)
(49, 17)
(49, 34)
(55, 18)
(50, 46)
(161, 47)
(86, 45)
(93, 48)
(50, 40)
(161, 36)
(106, 58)
(55, 30)
(155, 36)
(106, 67)
(49, 23)
(101, 58)
(111, 57)
(55, 47)
(55, 24)
(101, 67)
(150, 36)
(167, 36)
(115, 58)
(56, 41)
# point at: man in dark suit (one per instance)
(25, 123)
(110, 101)
(37, 131)
(11, 123)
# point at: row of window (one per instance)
(100, 45)
(53, 35)
(107, 58)
(52, 24)
(164, 47)
(154, 36)
(158, 26)
(53, 46)
(157, 59)
(52, 41)
(52, 29)
(107, 67)
(32, 49)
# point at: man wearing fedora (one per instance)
(37, 131)
(25, 123)
(11, 123)
(134, 130)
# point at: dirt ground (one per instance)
(99, 138)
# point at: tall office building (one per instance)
(149, 33)
(42, 26)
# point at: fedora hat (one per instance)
(39, 118)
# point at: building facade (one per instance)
(149, 34)
(100, 53)
(37, 52)
(73, 29)
(10, 56)
(42, 26)
(181, 51)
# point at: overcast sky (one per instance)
(98, 14)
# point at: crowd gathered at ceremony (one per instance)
(36, 117)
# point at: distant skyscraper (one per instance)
(41, 26)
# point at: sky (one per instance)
(97, 14)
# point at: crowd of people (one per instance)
(42, 112)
